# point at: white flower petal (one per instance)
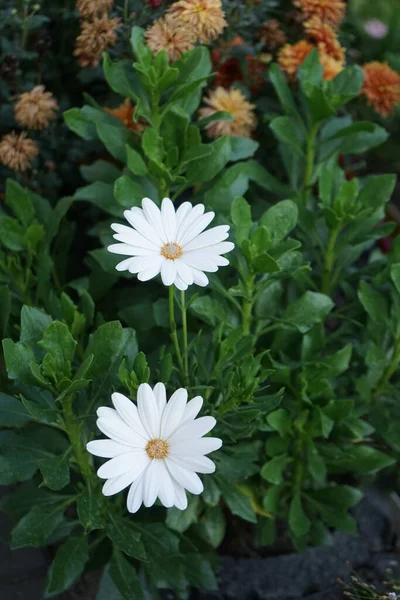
(153, 215)
(136, 218)
(220, 248)
(117, 484)
(148, 410)
(199, 464)
(180, 284)
(181, 214)
(152, 481)
(192, 409)
(160, 394)
(111, 424)
(107, 448)
(181, 501)
(192, 429)
(126, 249)
(124, 264)
(200, 278)
(173, 413)
(196, 447)
(124, 463)
(153, 270)
(142, 263)
(135, 495)
(196, 228)
(187, 479)
(200, 261)
(168, 272)
(129, 413)
(168, 219)
(184, 272)
(208, 238)
(166, 492)
(191, 217)
(135, 238)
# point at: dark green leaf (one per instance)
(125, 577)
(299, 523)
(37, 525)
(55, 471)
(67, 565)
(12, 412)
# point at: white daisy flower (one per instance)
(171, 243)
(156, 448)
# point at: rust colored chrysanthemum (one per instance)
(332, 67)
(291, 56)
(167, 34)
(35, 109)
(125, 113)
(95, 38)
(381, 87)
(205, 18)
(329, 11)
(17, 151)
(325, 37)
(92, 8)
(232, 101)
(272, 35)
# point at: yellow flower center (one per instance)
(172, 250)
(157, 449)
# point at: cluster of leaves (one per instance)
(294, 348)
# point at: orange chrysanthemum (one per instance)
(17, 151)
(205, 18)
(291, 56)
(232, 101)
(35, 109)
(329, 11)
(272, 35)
(125, 113)
(381, 87)
(96, 37)
(166, 34)
(91, 8)
(325, 37)
(332, 67)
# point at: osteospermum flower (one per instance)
(95, 38)
(326, 39)
(90, 8)
(17, 151)
(169, 35)
(205, 18)
(381, 87)
(329, 11)
(157, 447)
(171, 243)
(232, 101)
(35, 109)
(291, 56)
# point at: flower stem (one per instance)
(73, 429)
(126, 11)
(310, 157)
(185, 337)
(247, 306)
(329, 260)
(390, 369)
(174, 334)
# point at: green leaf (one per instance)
(125, 577)
(80, 123)
(238, 503)
(347, 85)
(279, 81)
(55, 471)
(100, 194)
(281, 421)
(19, 358)
(100, 170)
(125, 537)
(310, 73)
(198, 571)
(359, 137)
(115, 138)
(19, 200)
(37, 525)
(5, 309)
(287, 132)
(90, 508)
(12, 412)
(104, 344)
(308, 310)
(280, 219)
(33, 324)
(128, 192)
(119, 76)
(67, 565)
(376, 191)
(374, 303)
(272, 471)
(366, 460)
(209, 166)
(242, 147)
(241, 218)
(326, 423)
(60, 344)
(299, 523)
(107, 589)
(11, 234)
(152, 145)
(139, 48)
(395, 275)
(219, 115)
(180, 520)
(214, 525)
(316, 465)
(135, 162)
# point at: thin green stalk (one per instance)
(247, 306)
(174, 334)
(390, 369)
(330, 257)
(185, 336)
(74, 431)
(126, 11)
(24, 35)
(310, 158)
